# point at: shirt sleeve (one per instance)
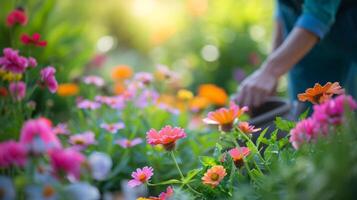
(318, 16)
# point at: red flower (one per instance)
(3, 91)
(34, 40)
(17, 16)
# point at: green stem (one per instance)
(177, 166)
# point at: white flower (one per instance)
(100, 164)
(81, 190)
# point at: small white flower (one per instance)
(100, 164)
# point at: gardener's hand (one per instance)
(256, 88)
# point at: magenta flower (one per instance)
(17, 16)
(17, 90)
(126, 143)
(93, 80)
(167, 136)
(332, 111)
(305, 131)
(141, 176)
(66, 161)
(35, 40)
(48, 77)
(87, 104)
(32, 62)
(12, 154)
(82, 140)
(112, 128)
(39, 128)
(12, 61)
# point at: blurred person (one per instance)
(315, 41)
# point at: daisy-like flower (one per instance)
(126, 143)
(112, 128)
(163, 195)
(81, 141)
(225, 117)
(141, 176)
(319, 94)
(87, 104)
(213, 94)
(238, 154)
(35, 39)
(116, 102)
(94, 80)
(214, 176)
(246, 128)
(61, 129)
(144, 77)
(167, 136)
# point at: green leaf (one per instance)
(283, 124)
(190, 175)
(304, 114)
(168, 182)
(261, 137)
(207, 161)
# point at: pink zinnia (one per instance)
(35, 39)
(17, 90)
(305, 131)
(17, 16)
(167, 194)
(112, 128)
(167, 136)
(332, 111)
(82, 140)
(12, 153)
(94, 80)
(246, 128)
(66, 161)
(238, 154)
(32, 62)
(40, 128)
(141, 176)
(12, 61)
(48, 77)
(87, 104)
(126, 143)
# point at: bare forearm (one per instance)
(295, 47)
(278, 37)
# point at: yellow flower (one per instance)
(67, 89)
(11, 77)
(184, 95)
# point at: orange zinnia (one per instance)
(213, 94)
(224, 117)
(122, 72)
(67, 89)
(214, 176)
(198, 103)
(319, 94)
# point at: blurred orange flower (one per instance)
(67, 89)
(214, 176)
(197, 7)
(119, 88)
(213, 94)
(319, 94)
(198, 103)
(121, 72)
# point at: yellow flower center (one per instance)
(79, 142)
(142, 177)
(48, 191)
(214, 177)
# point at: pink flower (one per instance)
(66, 161)
(146, 97)
(116, 102)
(305, 131)
(12, 153)
(32, 62)
(12, 61)
(246, 128)
(167, 136)
(35, 39)
(39, 128)
(94, 80)
(332, 111)
(113, 128)
(17, 16)
(144, 77)
(18, 90)
(166, 195)
(87, 104)
(238, 154)
(48, 77)
(141, 176)
(81, 141)
(125, 143)
(61, 129)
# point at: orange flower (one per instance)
(224, 117)
(198, 103)
(213, 93)
(67, 89)
(119, 88)
(246, 128)
(319, 94)
(122, 72)
(214, 176)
